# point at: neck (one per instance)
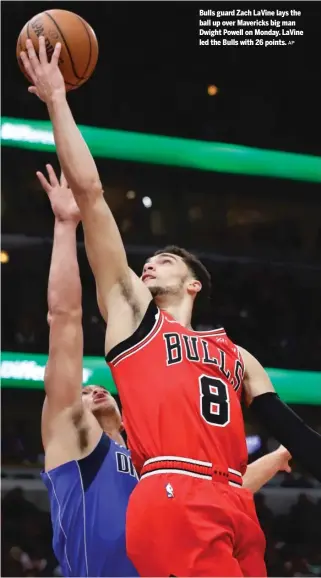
(112, 430)
(180, 309)
(117, 437)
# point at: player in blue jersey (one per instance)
(88, 470)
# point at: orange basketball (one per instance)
(79, 46)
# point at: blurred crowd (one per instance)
(293, 539)
(26, 538)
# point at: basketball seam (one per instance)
(90, 47)
(67, 47)
(71, 84)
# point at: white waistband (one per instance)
(188, 461)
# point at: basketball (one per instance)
(79, 46)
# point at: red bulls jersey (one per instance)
(180, 391)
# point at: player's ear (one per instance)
(194, 286)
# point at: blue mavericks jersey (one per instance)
(88, 500)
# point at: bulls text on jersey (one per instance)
(197, 349)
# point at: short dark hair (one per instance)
(195, 266)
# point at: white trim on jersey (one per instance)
(235, 472)
(184, 473)
(59, 518)
(200, 333)
(173, 471)
(241, 358)
(210, 332)
(84, 517)
(132, 350)
(187, 460)
(177, 459)
(148, 338)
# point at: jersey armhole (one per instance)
(143, 330)
(241, 358)
(90, 465)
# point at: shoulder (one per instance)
(250, 362)
(148, 327)
(256, 379)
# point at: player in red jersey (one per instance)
(180, 390)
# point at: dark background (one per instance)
(152, 75)
(259, 237)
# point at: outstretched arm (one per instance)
(63, 376)
(287, 427)
(262, 470)
(117, 286)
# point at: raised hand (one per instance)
(46, 76)
(60, 195)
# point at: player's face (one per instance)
(100, 402)
(166, 274)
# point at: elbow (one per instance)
(88, 191)
(64, 302)
(65, 314)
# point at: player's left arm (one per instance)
(285, 425)
(262, 470)
(63, 375)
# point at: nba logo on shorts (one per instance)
(169, 491)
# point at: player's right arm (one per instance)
(258, 473)
(121, 292)
(287, 427)
(63, 375)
